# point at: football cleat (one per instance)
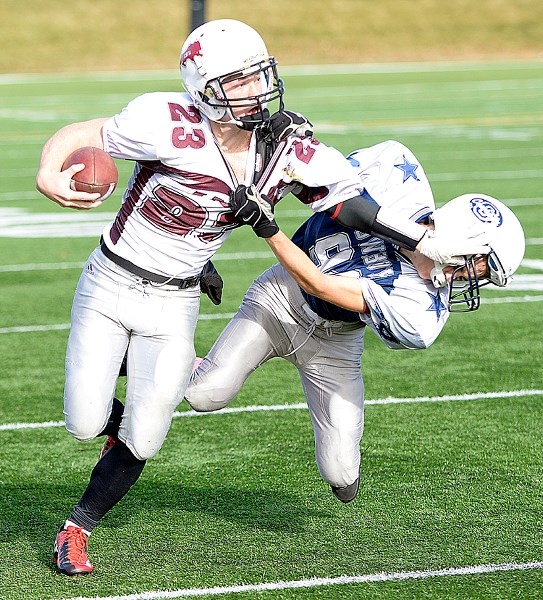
(346, 493)
(70, 551)
(108, 445)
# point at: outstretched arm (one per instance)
(340, 290)
(54, 183)
(255, 210)
(447, 248)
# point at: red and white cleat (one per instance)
(70, 551)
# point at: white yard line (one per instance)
(535, 264)
(225, 316)
(303, 406)
(79, 265)
(324, 581)
(290, 70)
(61, 326)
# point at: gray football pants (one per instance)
(274, 321)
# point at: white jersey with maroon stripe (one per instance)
(175, 215)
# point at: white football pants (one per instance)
(113, 310)
(272, 322)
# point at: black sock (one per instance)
(110, 480)
(114, 421)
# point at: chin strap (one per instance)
(265, 147)
(439, 279)
(251, 122)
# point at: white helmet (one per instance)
(222, 51)
(474, 214)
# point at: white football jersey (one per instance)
(403, 309)
(175, 213)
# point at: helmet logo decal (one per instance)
(191, 53)
(486, 212)
(408, 169)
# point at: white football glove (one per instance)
(452, 250)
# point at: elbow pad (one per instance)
(364, 214)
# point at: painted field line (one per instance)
(286, 70)
(303, 406)
(325, 581)
(513, 299)
(223, 256)
(226, 316)
(62, 326)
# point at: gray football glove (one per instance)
(287, 122)
(211, 283)
(255, 209)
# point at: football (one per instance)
(100, 174)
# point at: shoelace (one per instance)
(77, 544)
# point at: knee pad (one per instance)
(84, 430)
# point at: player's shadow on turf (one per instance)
(253, 508)
(36, 510)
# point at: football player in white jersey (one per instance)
(333, 282)
(139, 290)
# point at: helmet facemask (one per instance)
(465, 280)
(218, 95)
(464, 294)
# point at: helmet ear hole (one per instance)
(496, 271)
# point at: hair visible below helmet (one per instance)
(223, 51)
(473, 214)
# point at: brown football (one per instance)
(100, 175)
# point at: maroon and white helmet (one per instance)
(475, 215)
(222, 51)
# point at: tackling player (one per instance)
(338, 283)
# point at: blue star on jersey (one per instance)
(436, 305)
(408, 169)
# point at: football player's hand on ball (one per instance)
(255, 209)
(287, 122)
(211, 283)
(57, 186)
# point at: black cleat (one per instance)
(347, 493)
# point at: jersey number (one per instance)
(181, 137)
(331, 251)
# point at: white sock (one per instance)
(69, 523)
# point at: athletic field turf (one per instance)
(451, 497)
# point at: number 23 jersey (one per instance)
(175, 212)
